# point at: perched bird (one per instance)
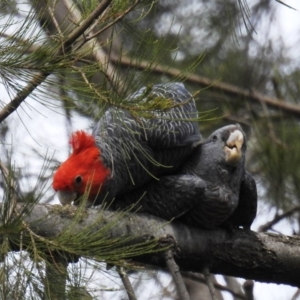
(125, 151)
(210, 189)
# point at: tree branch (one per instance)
(278, 218)
(95, 49)
(263, 257)
(214, 85)
(22, 95)
(248, 288)
(175, 272)
(200, 278)
(55, 279)
(41, 76)
(210, 284)
(204, 82)
(127, 284)
(77, 32)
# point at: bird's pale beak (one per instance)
(66, 197)
(233, 147)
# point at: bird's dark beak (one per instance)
(233, 147)
(66, 197)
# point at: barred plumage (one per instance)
(137, 149)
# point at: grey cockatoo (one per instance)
(211, 189)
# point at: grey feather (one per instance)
(245, 213)
(206, 190)
(138, 150)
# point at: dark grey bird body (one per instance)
(208, 189)
(245, 213)
(222, 178)
(138, 149)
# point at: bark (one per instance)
(264, 257)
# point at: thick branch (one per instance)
(264, 257)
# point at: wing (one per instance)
(168, 198)
(138, 149)
(165, 129)
(212, 208)
(245, 212)
(170, 127)
(184, 197)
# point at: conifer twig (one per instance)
(248, 289)
(96, 50)
(175, 272)
(127, 284)
(55, 279)
(214, 85)
(278, 218)
(41, 76)
(12, 209)
(199, 278)
(201, 81)
(210, 284)
(120, 16)
(56, 269)
(10, 107)
(11, 186)
(296, 295)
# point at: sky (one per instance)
(288, 25)
(34, 121)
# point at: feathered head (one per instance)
(83, 172)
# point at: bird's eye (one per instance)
(78, 179)
(214, 138)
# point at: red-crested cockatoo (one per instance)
(124, 151)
